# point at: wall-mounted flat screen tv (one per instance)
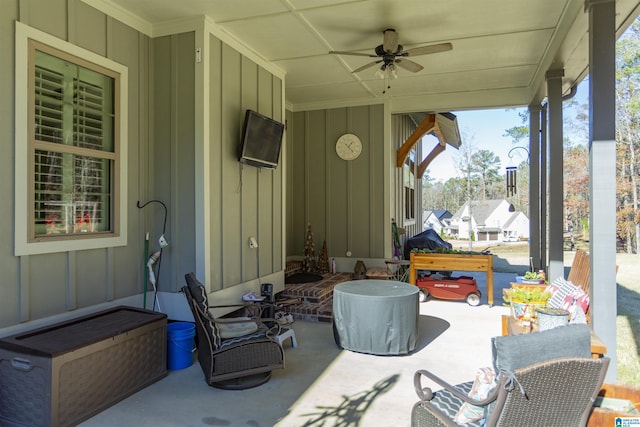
(261, 140)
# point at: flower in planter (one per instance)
(525, 299)
(527, 294)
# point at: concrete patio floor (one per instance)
(322, 385)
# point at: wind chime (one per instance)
(511, 180)
(512, 173)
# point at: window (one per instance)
(409, 203)
(69, 140)
(409, 183)
(73, 142)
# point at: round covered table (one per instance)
(376, 316)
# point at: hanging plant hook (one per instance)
(156, 256)
(164, 224)
(523, 148)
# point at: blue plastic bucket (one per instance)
(180, 345)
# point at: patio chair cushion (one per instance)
(234, 330)
(449, 404)
(199, 294)
(515, 351)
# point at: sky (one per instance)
(484, 130)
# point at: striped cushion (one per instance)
(199, 294)
(450, 404)
(258, 335)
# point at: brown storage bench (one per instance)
(65, 373)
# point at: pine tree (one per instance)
(323, 260)
(309, 262)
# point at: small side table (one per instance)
(376, 316)
(287, 333)
(378, 273)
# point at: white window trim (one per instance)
(22, 246)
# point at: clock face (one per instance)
(348, 146)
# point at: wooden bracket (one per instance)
(423, 128)
(422, 167)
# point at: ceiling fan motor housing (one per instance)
(382, 53)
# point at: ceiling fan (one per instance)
(391, 53)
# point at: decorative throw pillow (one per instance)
(576, 315)
(567, 296)
(560, 289)
(484, 382)
(580, 297)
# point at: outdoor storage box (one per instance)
(65, 373)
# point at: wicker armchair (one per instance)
(238, 362)
(558, 391)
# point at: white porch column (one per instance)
(534, 185)
(544, 243)
(602, 171)
(556, 181)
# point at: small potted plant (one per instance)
(532, 277)
(525, 299)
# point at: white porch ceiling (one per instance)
(501, 48)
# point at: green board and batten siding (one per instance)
(165, 137)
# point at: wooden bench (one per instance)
(580, 272)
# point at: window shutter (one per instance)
(48, 105)
(88, 117)
(72, 191)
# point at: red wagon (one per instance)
(449, 288)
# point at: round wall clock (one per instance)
(348, 146)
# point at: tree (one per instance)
(467, 170)
(521, 132)
(627, 134)
(576, 184)
(486, 165)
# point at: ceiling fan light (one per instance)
(394, 71)
(380, 73)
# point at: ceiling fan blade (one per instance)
(390, 40)
(337, 52)
(364, 67)
(425, 50)
(409, 65)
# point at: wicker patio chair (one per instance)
(555, 392)
(237, 362)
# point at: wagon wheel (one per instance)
(423, 295)
(473, 299)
